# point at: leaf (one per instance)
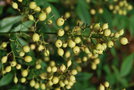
(127, 65)
(5, 80)
(82, 11)
(131, 25)
(84, 76)
(7, 23)
(23, 27)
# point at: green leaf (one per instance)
(131, 25)
(7, 23)
(84, 76)
(82, 11)
(127, 65)
(5, 80)
(23, 27)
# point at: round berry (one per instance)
(60, 21)
(28, 59)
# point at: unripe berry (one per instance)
(31, 17)
(60, 32)
(67, 54)
(49, 69)
(23, 80)
(38, 66)
(36, 37)
(110, 44)
(67, 15)
(4, 59)
(26, 48)
(49, 22)
(92, 11)
(60, 21)
(28, 59)
(55, 80)
(52, 63)
(32, 5)
(74, 72)
(37, 9)
(60, 52)
(24, 73)
(76, 49)
(15, 80)
(58, 43)
(101, 87)
(13, 63)
(42, 16)
(62, 67)
(121, 32)
(46, 52)
(69, 63)
(32, 83)
(21, 54)
(61, 84)
(116, 35)
(124, 41)
(18, 66)
(32, 46)
(106, 84)
(37, 85)
(105, 26)
(54, 69)
(43, 86)
(48, 10)
(64, 45)
(71, 43)
(15, 5)
(8, 68)
(4, 44)
(93, 66)
(20, 0)
(100, 10)
(107, 32)
(41, 47)
(72, 78)
(77, 40)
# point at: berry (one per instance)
(32, 83)
(4, 59)
(107, 32)
(48, 10)
(58, 43)
(55, 80)
(24, 73)
(36, 37)
(60, 52)
(26, 48)
(60, 21)
(15, 5)
(8, 68)
(42, 16)
(124, 41)
(61, 32)
(32, 5)
(28, 59)
(31, 17)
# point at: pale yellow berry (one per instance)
(121, 32)
(27, 59)
(62, 67)
(58, 43)
(77, 40)
(18, 66)
(124, 41)
(105, 26)
(20, 0)
(52, 63)
(106, 84)
(37, 85)
(71, 43)
(60, 21)
(13, 63)
(107, 32)
(49, 22)
(49, 69)
(43, 86)
(21, 54)
(61, 84)
(76, 49)
(68, 87)
(24, 73)
(72, 78)
(48, 10)
(46, 53)
(32, 5)
(36, 37)
(31, 17)
(65, 82)
(101, 87)
(37, 9)
(97, 26)
(97, 61)
(55, 80)
(15, 5)
(50, 83)
(116, 35)
(69, 63)
(92, 11)
(42, 16)
(32, 83)
(110, 44)
(23, 80)
(99, 46)
(93, 66)
(67, 15)
(100, 10)
(84, 59)
(41, 47)
(74, 72)
(54, 69)
(8, 68)
(15, 80)
(26, 48)
(64, 45)
(4, 45)
(60, 32)
(57, 89)
(38, 66)
(4, 59)
(60, 52)
(67, 54)
(32, 46)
